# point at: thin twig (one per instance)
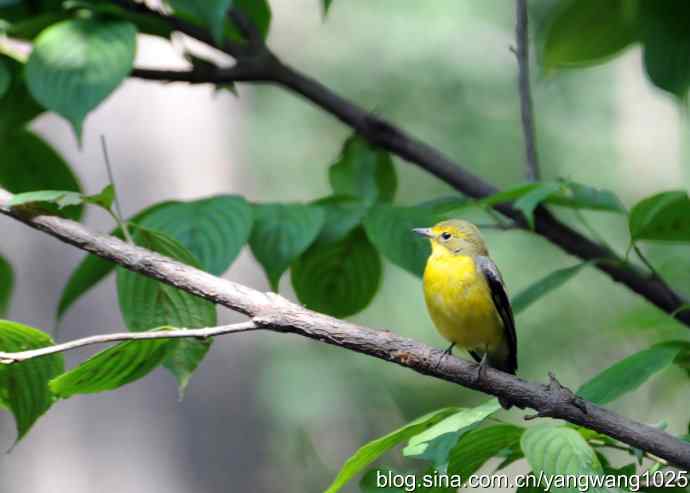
(117, 215)
(18, 357)
(647, 455)
(526, 109)
(646, 262)
(272, 312)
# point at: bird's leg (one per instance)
(445, 353)
(481, 369)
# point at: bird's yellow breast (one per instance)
(460, 304)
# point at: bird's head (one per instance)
(454, 237)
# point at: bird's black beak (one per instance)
(424, 232)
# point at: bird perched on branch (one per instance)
(466, 296)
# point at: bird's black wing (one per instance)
(502, 304)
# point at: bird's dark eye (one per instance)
(445, 236)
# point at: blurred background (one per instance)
(269, 412)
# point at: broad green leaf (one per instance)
(6, 285)
(61, 198)
(257, 11)
(544, 286)
(579, 196)
(374, 449)
(454, 423)
(666, 38)
(16, 10)
(17, 107)
(111, 368)
(610, 27)
(339, 279)
(562, 193)
(146, 24)
(531, 200)
(509, 195)
(27, 163)
(326, 5)
(363, 172)
(213, 229)
(478, 446)
(93, 269)
(103, 199)
(629, 373)
(76, 64)
(146, 303)
(343, 215)
(24, 386)
(390, 230)
(447, 207)
(281, 233)
(209, 13)
(5, 78)
(558, 450)
(31, 27)
(661, 217)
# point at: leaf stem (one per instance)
(117, 213)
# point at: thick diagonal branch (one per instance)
(272, 312)
(258, 64)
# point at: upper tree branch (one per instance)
(272, 312)
(261, 65)
(526, 112)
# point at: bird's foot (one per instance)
(447, 352)
(481, 369)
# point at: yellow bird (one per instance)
(466, 296)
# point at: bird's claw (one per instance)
(448, 351)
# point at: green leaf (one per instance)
(17, 107)
(629, 373)
(478, 446)
(29, 164)
(213, 229)
(661, 217)
(257, 11)
(24, 386)
(666, 39)
(390, 230)
(509, 195)
(5, 78)
(102, 199)
(61, 198)
(31, 27)
(454, 423)
(343, 215)
(374, 449)
(610, 27)
(6, 284)
(363, 172)
(111, 368)
(579, 196)
(557, 450)
(146, 303)
(544, 286)
(339, 279)
(76, 64)
(209, 13)
(531, 200)
(281, 233)
(326, 5)
(93, 269)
